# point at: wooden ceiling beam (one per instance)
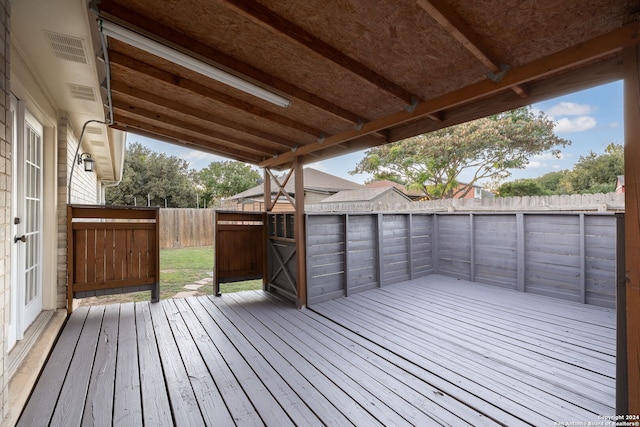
(201, 132)
(590, 50)
(592, 75)
(180, 41)
(453, 23)
(118, 87)
(151, 72)
(273, 22)
(128, 124)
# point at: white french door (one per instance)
(26, 253)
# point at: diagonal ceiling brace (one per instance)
(453, 23)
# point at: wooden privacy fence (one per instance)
(570, 256)
(112, 250)
(186, 228)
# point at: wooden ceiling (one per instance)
(359, 73)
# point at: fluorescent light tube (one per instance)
(158, 49)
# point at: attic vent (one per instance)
(97, 143)
(93, 130)
(85, 93)
(67, 47)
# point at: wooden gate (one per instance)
(282, 255)
(239, 247)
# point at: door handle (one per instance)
(22, 238)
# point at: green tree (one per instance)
(521, 187)
(224, 179)
(596, 173)
(554, 182)
(156, 176)
(486, 149)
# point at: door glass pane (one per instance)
(32, 218)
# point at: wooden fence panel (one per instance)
(112, 250)
(454, 246)
(600, 239)
(186, 228)
(495, 250)
(565, 255)
(421, 245)
(552, 248)
(395, 238)
(362, 253)
(325, 257)
(239, 247)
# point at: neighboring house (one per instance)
(317, 187)
(375, 196)
(385, 183)
(620, 184)
(50, 89)
(476, 192)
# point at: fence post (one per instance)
(380, 251)
(435, 244)
(520, 258)
(583, 255)
(410, 245)
(472, 248)
(346, 254)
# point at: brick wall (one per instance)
(5, 198)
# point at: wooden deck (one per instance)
(433, 351)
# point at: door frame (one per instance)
(22, 315)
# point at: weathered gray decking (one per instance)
(433, 351)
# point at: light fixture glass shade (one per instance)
(88, 164)
(158, 49)
(85, 158)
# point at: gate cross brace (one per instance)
(283, 267)
(281, 190)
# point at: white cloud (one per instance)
(548, 156)
(534, 164)
(614, 125)
(578, 124)
(569, 109)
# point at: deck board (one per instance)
(127, 405)
(98, 410)
(156, 409)
(432, 351)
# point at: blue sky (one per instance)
(590, 119)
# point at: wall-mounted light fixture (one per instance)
(158, 49)
(87, 160)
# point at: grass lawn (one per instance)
(180, 267)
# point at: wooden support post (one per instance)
(631, 71)
(267, 209)
(622, 395)
(216, 248)
(299, 234)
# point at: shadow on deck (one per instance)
(432, 351)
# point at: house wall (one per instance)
(311, 198)
(17, 77)
(5, 198)
(85, 189)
